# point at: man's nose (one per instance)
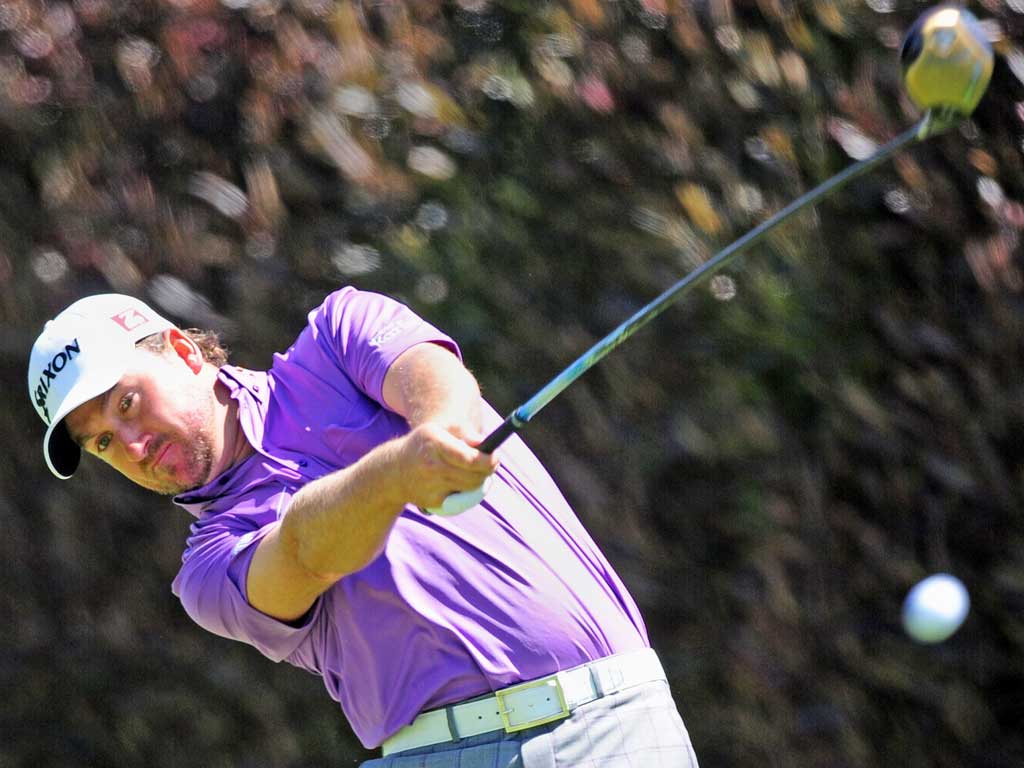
(135, 441)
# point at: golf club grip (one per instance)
(501, 433)
(457, 503)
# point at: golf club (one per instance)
(947, 64)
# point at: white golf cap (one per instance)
(80, 354)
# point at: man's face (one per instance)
(155, 426)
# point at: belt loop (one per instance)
(618, 677)
(595, 681)
(608, 678)
(449, 713)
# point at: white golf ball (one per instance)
(935, 608)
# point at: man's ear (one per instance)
(184, 348)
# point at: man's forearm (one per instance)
(339, 523)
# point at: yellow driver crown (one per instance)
(947, 61)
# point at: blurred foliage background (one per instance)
(770, 465)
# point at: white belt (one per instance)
(529, 704)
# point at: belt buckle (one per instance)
(504, 711)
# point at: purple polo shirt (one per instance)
(511, 590)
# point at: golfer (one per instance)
(501, 636)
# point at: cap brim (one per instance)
(61, 452)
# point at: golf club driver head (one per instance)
(947, 64)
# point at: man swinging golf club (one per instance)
(501, 636)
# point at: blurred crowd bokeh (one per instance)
(770, 465)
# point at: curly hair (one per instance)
(208, 342)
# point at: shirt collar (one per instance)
(250, 390)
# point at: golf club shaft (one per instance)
(522, 415)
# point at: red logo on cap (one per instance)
(129, 319)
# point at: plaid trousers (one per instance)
(636, 728)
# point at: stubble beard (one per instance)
(197, 447)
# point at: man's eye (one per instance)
(126, 402)
(103, 443)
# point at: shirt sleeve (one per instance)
(368, 331)
(211, 587)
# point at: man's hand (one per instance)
(440, 461)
